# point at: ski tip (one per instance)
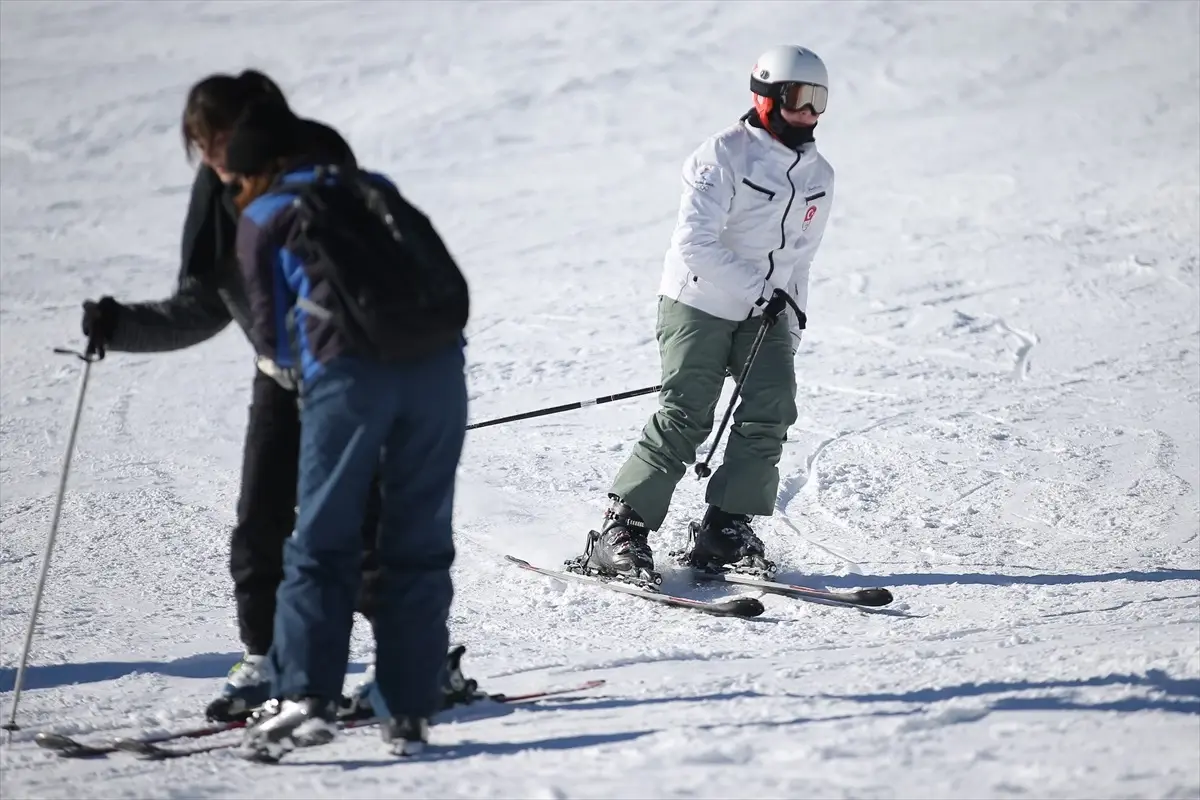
(53, 741)
(66, 747)
(518, 561)
(746, 607)
(874, 597)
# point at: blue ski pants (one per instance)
(408, 421)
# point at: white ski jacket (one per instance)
(751, 218)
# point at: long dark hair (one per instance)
(215, 103)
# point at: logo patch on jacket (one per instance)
(809, 215)
(703, 180)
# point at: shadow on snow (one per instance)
(470, 749)
(51, 676)
(989, 579)
(1175, 695)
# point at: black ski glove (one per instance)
(775, 306)
(100, 323)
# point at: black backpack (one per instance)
(394, 291)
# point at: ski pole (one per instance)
(568, 407)
(702, 469)
(88, 356)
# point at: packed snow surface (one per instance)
(999, 394)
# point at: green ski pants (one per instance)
(697, 350)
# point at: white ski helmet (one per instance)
(789, 76)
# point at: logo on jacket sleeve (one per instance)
(703, 179)
(809, 215)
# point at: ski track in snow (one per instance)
(999, 394)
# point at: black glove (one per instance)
(100, 323)
(775, 306)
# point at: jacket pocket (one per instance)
(770, 195)
(691, 279)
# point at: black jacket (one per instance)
(210, 292)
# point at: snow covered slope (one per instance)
(999, 393)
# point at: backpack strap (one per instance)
(307, 189)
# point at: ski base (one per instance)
(743, 607)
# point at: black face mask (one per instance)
(792, 136)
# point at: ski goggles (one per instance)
(795, 96)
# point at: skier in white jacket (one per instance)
(756, 197)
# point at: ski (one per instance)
(862, 598)
(743, 607)
(158, 747)
(156, 752)
(531, 696)
(151, 751)
(67, 747)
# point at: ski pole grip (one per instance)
(801, 317)
(84, 356)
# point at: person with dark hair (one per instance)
(212, 109)
(209, 295)
(352, 288)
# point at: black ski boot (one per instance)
(619, 549)
(405, 736)
(366, 702)
(458, 689)
(726, 542)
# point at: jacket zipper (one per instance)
(783, 221)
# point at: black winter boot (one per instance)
(619, 549)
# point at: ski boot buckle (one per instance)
(649, 581)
